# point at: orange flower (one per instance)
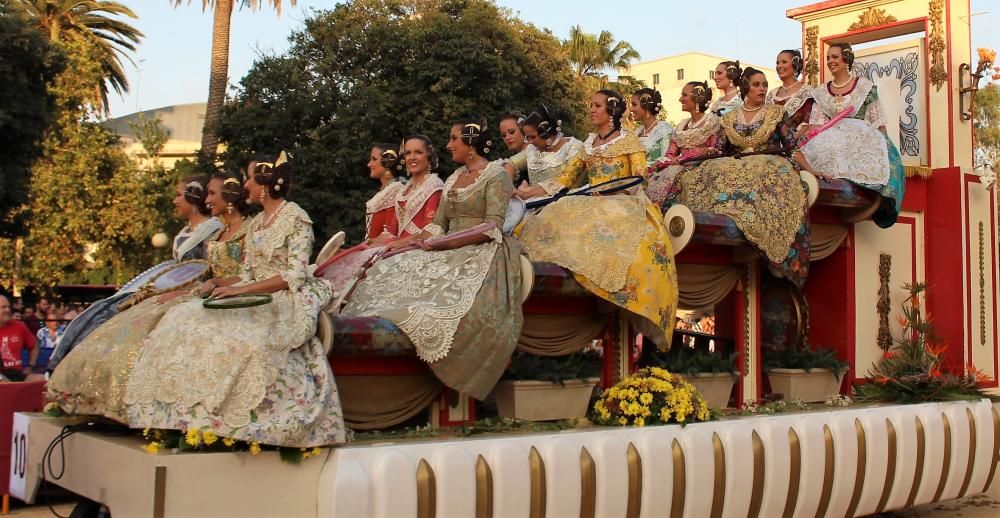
(935, 351)
(888, 355)
(882, 380)
(979, 375)
(987, 55)
(915, 302)
(901, 320)
(935, 372)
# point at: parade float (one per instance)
(827, 461)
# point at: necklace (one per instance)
(788, 90)
(606, 135)
(695, 125)
(835, 85)
(270, 219)
(751, 110)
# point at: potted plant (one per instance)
(804, 373)
(713, 373)
(651, 396)
(538, 388)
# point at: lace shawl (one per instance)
(383, 199)
(687, 137)
(415, 201)
(791, 103)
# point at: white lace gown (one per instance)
(254, 374)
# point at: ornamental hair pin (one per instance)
(194, 185)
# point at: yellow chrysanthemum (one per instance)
(228, 442)
(209, 437)
(254, 448)
(192, 437)
(645, 398)
(152, 448)
(640, 421)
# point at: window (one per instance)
(656, 79)
(680, 74)
(711, 74)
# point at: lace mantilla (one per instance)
(759, 134)
(382, 200)
(720, 106)
(625, 143)
(415, 200)
(791, 103)
(541, 160)
(688, 137)
(830, 104)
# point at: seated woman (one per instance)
(695, 137)
(459, 299)
(91, 379)
(793, 95)
(616, 246)
(188, 244)
(381, 225)
(727, 78)
(856, 148)
(762, 193)
(515, 141)
(411, 208)
(251, 373)
(654, 134)
(548, 149)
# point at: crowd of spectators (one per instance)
(29, 332)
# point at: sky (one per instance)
(172, 62)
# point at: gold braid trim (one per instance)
(760, 136)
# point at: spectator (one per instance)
(48, 338)
(14, 336)
(30, 319)
(42, 308)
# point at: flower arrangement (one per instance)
(198, 440)
(651, 396)
(910, 371)
(987, 58)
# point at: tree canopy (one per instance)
(987, 124)
(378, 70)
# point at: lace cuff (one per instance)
(551, 186)
(495, 234)
(434, 229)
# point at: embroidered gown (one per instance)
(460, 308)
(402, 211)
(761, 193)
(616, 246)
(656, 141)
(545, 165)
(253, 374)
(721, 106)
(92, 378)
(855, 149)
(188, 244)
(689, 141)
(797, 106)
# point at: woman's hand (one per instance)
(206, 288)
(167, 297)
(227, 291)
(397, 244)
(825, 177)
(424, 244)
(382, 239)
(526, 192)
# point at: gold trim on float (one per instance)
(918, 474)
(426, 490)
(794, 472)
(890, 468)
(824, 499)
(757, 491)
(159, 491)
(970, 464)
(634, 482)
(484, 488)
(996, 448)
(588, 484)
(859, 475)
(680, 483)
(719, 488)
(946, 467)
(537, 468)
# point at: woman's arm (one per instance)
(497, 198)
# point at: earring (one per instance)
(229, 208)
(263, 194)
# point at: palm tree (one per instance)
(219, 68)
(591, 55)
(89, 21)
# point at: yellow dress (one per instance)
(617, 246)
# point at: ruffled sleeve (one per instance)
(520, 160)
(569, 176)
(300, 244)
(497, 198)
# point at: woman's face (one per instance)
(638, 112)
(375, 168)
(599, 110)
(458, 149)
(531, 133)
(784, 66)
(721, 79)
(252, 187)
(835, 60)
(758, 89)
(513, 138)
(214, 199)
(416, 156)
(182, 208)
(688, 102)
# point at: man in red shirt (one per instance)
(14, 336)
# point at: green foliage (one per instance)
(807, 358)
(689, 361)
(29, 64)
(987, 123)
(151, 134)
(378, 70)
(594, 54)
(525, 366)
(508, 425)
(910, 372)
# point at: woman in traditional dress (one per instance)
(548, 149)
(258, 373)
(418, 203)
(793, 94)
(381, 225)
(653, 133)
(696, 136)
(727, 78)
(515, 141)
(459, 298)
(762, 193)
(856, 148)
(616, 246)
(91, 379)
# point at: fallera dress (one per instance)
(656, 140)
(690, 141)
(255, 374)
(545, 165)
